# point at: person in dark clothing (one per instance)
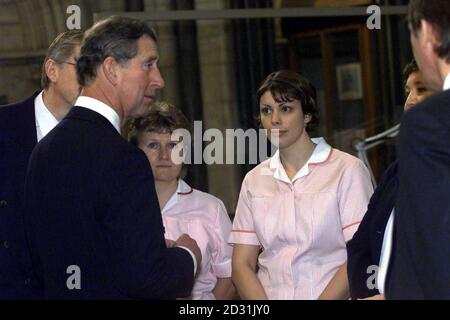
(364, 250)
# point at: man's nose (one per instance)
(157, 80)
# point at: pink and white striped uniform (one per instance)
(302, 224)
(204, 218)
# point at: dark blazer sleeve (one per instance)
(142, 265)
(17, 139)
(363, 249)
(420, 265)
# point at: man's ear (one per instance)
(110, 69)
(51, 70)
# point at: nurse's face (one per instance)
(158, 148)
(415, 90)
(284, 121)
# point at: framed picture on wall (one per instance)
(349, 81)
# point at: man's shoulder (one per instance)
(12, 113)
(430, 116)
(88, 126)
(435, 105)
(85, 132)
(389, 177)
(83, 145)
(438, 99)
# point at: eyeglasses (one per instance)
(68, 62)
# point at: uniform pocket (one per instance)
(266, 216)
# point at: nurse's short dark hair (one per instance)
(286, 86)
(115, 37)
(409, 69)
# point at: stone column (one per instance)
(218, 93)
(167, 47)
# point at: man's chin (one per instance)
(148, 100)
(143, 110)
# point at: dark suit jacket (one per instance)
(364, 248)
(420, 261)
(17, 140)
(91, 203)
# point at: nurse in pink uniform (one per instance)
(184, 209)
(296, 210)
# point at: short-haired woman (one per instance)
(184, 209)
(299, 207)
(369, 250)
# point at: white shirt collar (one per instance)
(447, 82)
(100, 107)
(45, 120)
(385, 255)
(320, 154)
(182, 189)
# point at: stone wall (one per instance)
(27, 28)
(219, 100)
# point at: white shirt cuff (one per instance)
(193, 258)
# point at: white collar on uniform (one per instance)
(447, 82)
(182, 189)
(100, 107)
(320, 154)
(45, 120)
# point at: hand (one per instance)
(170, 243)
(185, 241)
(375, 297)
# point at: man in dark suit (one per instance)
(93, 219)
(370, 244)
(22, 125)
(420, 261)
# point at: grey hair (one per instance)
(113, 37)
(60, 50)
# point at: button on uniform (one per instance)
(3, 203)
